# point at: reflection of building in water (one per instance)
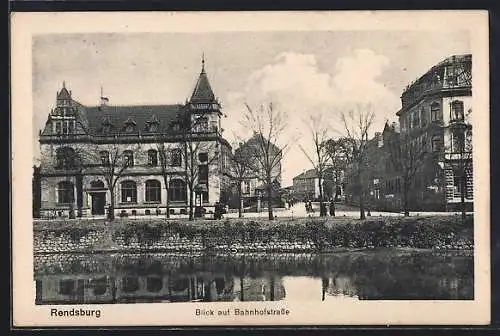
(269, 288)
(338, 286)
(61, 289)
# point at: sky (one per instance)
(304, 74)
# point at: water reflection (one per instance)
(375, 275)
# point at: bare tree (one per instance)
(406, 155)
(340, 155)
(164, 153)
(240, 169)
(357, 123)
(265, 148)
(320, 158)
(106, 160)
(194, 131)
(110, 161)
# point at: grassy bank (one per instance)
(433, 232)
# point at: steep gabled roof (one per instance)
(202, 92)
(64, 93)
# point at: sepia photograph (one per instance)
(250, 168)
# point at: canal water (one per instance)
(166, 277)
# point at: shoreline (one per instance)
(304, 235)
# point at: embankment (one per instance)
(235, 235)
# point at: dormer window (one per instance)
(130, 125)
(106, 125)
(152, 124)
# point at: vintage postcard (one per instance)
(250, 168)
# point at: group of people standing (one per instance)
(330, 204)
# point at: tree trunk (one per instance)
(191, 196)
(361, 197)
(111, 210)
(270, 201)
(167, 206)
(167, 200)
(240, 210)
(322, 212)
(406, 187)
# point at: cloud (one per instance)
(296, 83)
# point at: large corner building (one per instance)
(151, 152)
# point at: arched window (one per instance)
(99, 285)
(129, 192)
(67, 287)
(435, 111)
(130, 284)
(154, 284)
(177, 190)
(153, 191)
(128, 158)
(65, 192)
(202, 124)
(152, 158)
(457, 110)
(66, 158)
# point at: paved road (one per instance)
(298, 210)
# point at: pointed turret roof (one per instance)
(202, 92)
(64, 93)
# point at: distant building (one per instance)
(306, 184)
(254, 184)
(79, 142)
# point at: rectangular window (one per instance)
(203, 173)
(458, 141)
(457, 110)
(128, 157)
(58, 127)
(176, 157)
(214, 125)
(436, 144)
(203, 157)
(65, 127)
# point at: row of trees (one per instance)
(351, 151)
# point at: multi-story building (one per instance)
(436, 111)
(306, 184)
(136, 156)
(434, 140)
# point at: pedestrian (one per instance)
(309, 203)
(332, 207)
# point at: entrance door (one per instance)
(98, 203)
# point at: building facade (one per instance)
(434, 140)
(436, 113)
(306, 184)
(135, 157)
